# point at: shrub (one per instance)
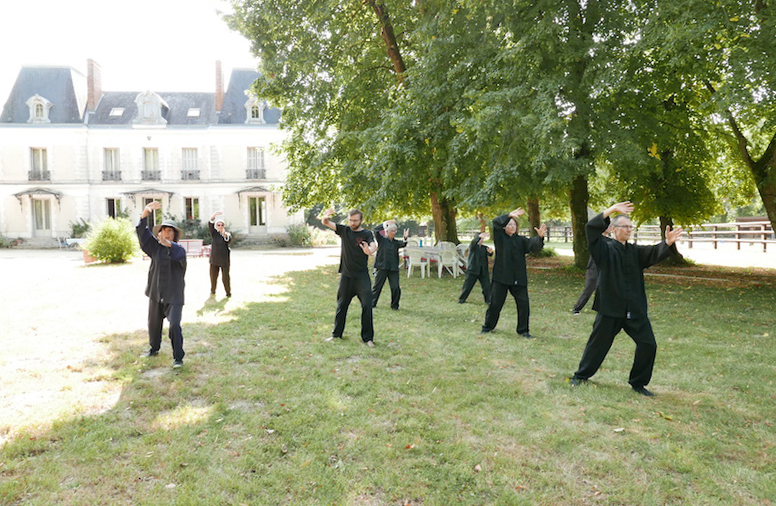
(114, 241)
(544, 253)
(5, 242)
(299, 235)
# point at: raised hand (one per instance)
(541, 230)
(621, 207)
(517, 213)
(673, 235)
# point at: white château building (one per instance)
(71, 151)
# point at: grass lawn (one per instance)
(267, 413)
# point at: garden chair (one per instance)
(415, 257)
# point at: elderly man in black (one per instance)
(620, 299)
(357, 246)
(165, 281)
(387, 261)
(219, 253)
(477, 268)
(509, 270)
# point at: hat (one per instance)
(219, 220)
(171, 224)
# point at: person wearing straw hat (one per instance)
(165, 281)
(219, 253)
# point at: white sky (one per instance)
(161, 45)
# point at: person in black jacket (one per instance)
(509, 270)
(165, 281)
(357, 246)
(591, 280)
(219, 253)
(387, 261)
(477, 268)
(620, 298)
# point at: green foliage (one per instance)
(80, 228)
(5, 242)
(113, 241)
(544, 253)
(300, 235)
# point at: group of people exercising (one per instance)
(620, 300)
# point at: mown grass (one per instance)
(265, 412)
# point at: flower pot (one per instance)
(88, 258)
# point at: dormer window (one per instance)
(255, 111)
(150, 107)
(39, 109)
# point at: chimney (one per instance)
(93, 84)
(219, 87)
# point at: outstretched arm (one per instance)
(326, 221)
(673, 235)
(621, 207)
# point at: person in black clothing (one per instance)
(591, 279)
(477, 268)
(219, 253)
(357, 246)
(165, 281)
(620, 298)
(387, 261)
(509, 270)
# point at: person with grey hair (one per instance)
(165, 281)
(219, 253)
(387, 261)
(620, 299)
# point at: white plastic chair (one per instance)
(463, 255)
(446, 245)
(448, 259)
(415, 257)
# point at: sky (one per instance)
(157, 45)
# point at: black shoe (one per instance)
(643, 391)
(150, 353)
(575, 382)
(332, 339)
(575, 312)
(461, 302)
(395, 308)
(527, 335)
(228, 295)
(177, 364)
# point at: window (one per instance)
(256, 164)
(156, 216)
(116, 112)
(42, 211)
(190, 164)
(150, 109)
(111, 172)
(258, 207)
(39, 165)
(192, 208)
(39, 109)
(114, 208)
(151, 170)
(254, 111)
(193, 113)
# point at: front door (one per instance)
(258, 219)
(41, 215)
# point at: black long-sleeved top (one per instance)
(478, 257)
(621, 267)
(509, 266)
(219, 249)
(387, 257)
(168, 267)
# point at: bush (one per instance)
(300, 235)
(114, 241)
(544, 253)
(80, 229)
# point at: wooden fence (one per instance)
(752, 232)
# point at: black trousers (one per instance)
(498, 295)
(224, 277)
(605, 328)
(591, 279)
(157, 312)
(354, 287)
(469, 282)
(393, 282)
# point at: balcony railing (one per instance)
(39, 175)
(110, 175)
(256, 174)
(190, 175)
(151, 175)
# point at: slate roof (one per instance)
(176, 114)
(64, 87)
(233, 109)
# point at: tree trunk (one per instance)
(578, 196)
(444, 213)
(389, 37)
(675, 258)
(534, 217)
